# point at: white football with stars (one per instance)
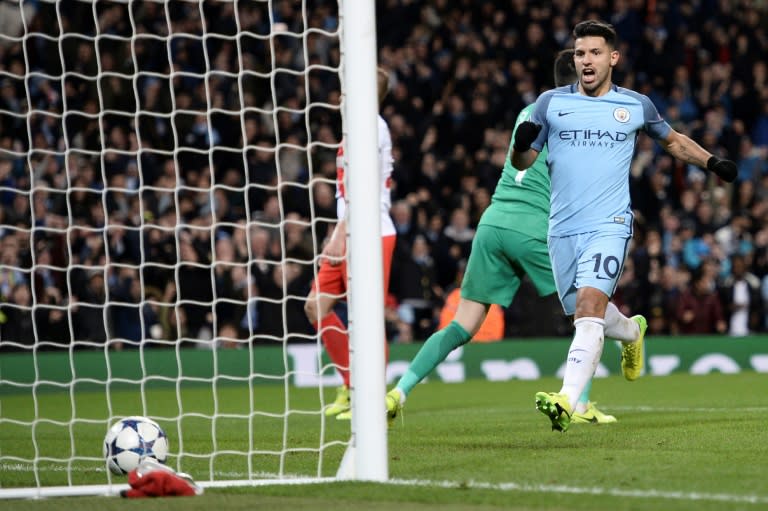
(132, 440)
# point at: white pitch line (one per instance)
(684, 409)
(614, 408)
(271, 480)
(29, 467)
(613, 492)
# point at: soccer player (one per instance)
(510, 242)
(590, 129)
(331, 282)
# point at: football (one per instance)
(131, 440)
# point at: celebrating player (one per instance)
(590, 129)
(510, 242)
(331, 282)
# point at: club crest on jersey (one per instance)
(621, 114)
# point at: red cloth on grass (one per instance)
(158, 483)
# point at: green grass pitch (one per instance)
(682, 442)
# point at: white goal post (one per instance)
(369, 430)
(167, 172)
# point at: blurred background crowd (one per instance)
(167, 170)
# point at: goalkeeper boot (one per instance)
(592, 415)
(556, 407)
(394, 405)
(344, 416)
(632, 352)
(340, 404)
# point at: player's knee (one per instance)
(591, 302)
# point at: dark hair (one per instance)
(565, 70)
(597, 29)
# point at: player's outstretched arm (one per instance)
(684, 148)
(522, 154)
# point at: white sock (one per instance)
(583, 356)
(618, 326)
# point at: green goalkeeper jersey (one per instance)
(521, 199)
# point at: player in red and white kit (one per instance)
(331, 283)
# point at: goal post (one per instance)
(165, 174)
(366, 325)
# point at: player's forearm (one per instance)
(685, 149)
(340, 231)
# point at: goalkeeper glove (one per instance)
(151, 479)
(525, 134)
(725, 169)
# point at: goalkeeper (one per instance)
(331, 282)
(511, 241)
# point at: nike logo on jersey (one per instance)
(560, 114)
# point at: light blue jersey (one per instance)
(591, 143)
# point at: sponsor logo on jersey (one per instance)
(612, 136)
(593, 138)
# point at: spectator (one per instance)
(194, 293)
(88, 316)
(699, 310)
(662, 302)
(130, 320)
(741, 298)
(231, 284)
(52, 319)
(278, 321)
(16, 317)
(413, 280)
(10, 273)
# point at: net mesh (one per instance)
(167, 176)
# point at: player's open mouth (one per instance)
(588, 75)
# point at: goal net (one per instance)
(167, 178)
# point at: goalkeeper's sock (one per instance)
(583, 403)
(336, 342)
(434, 351)
(583, 356)
(620, 327)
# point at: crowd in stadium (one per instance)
(129, 200)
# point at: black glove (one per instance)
(726, 169)
(525, 134)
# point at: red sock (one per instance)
(336, 342)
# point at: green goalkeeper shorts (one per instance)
(500, 258)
